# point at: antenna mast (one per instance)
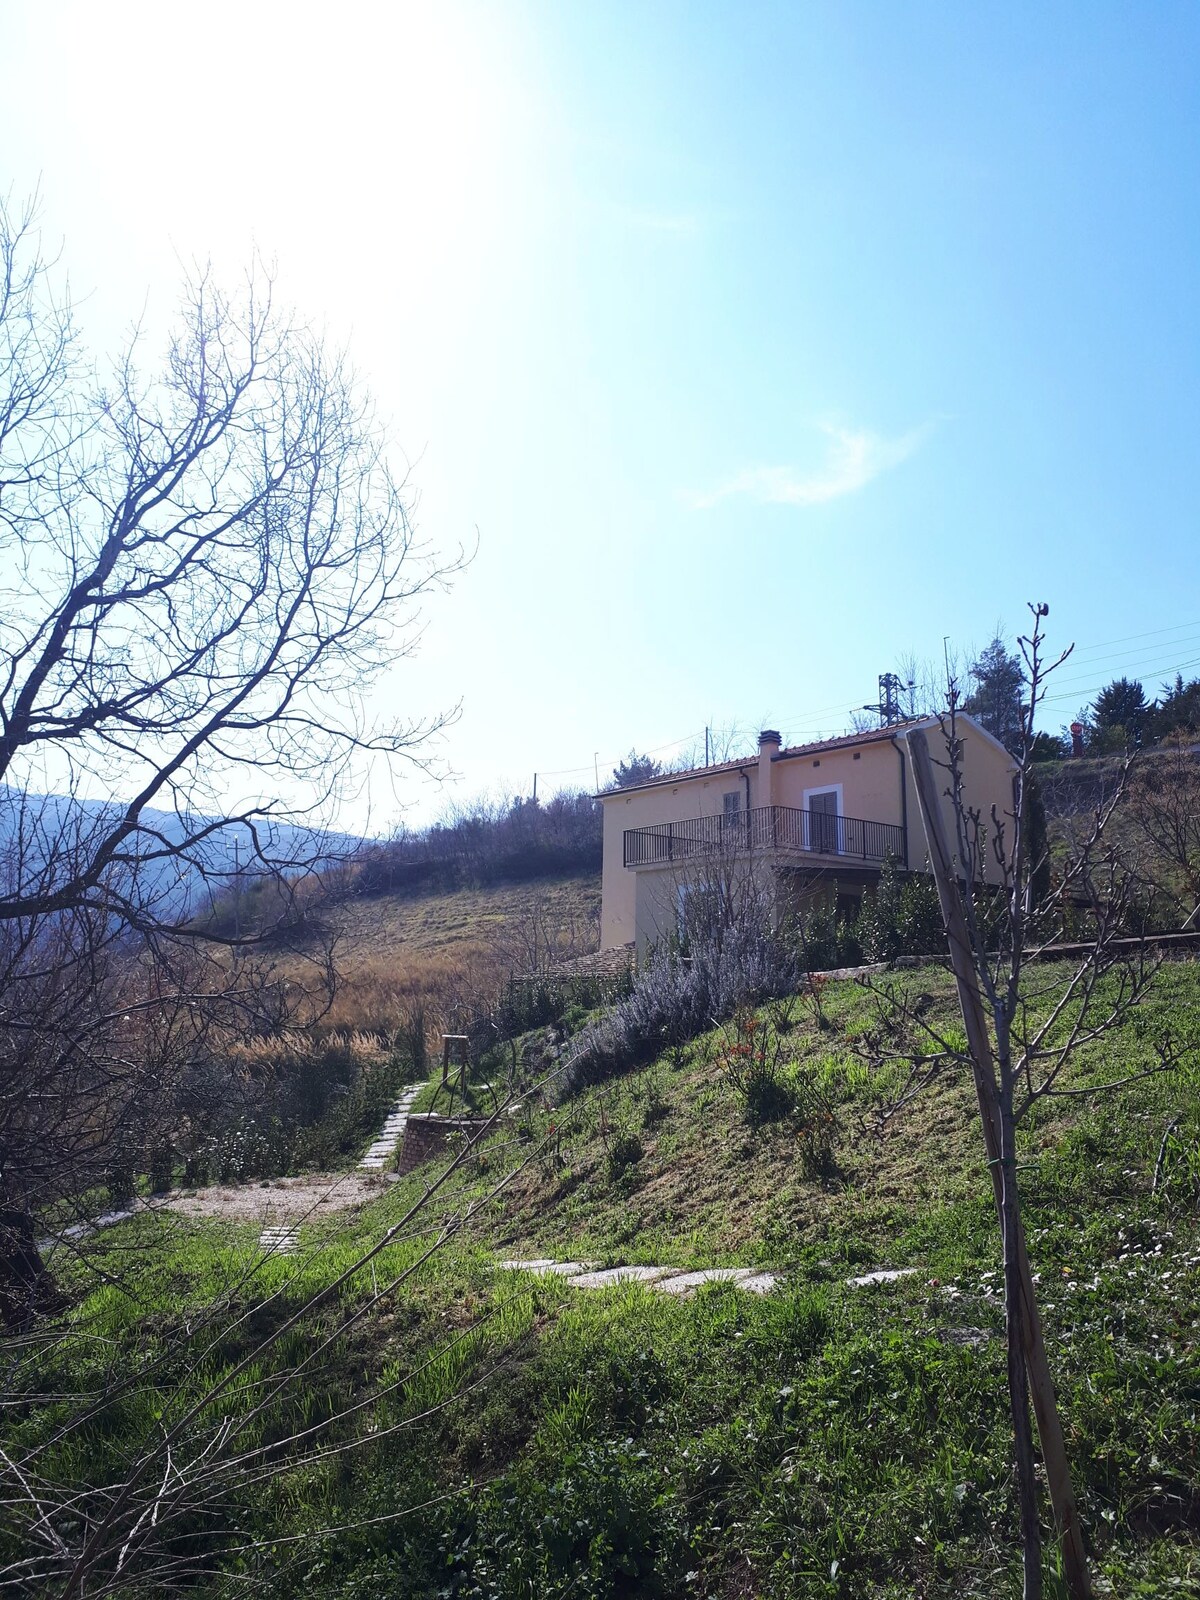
(888, 709)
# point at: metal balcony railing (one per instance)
(783, 828)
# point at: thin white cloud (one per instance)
(853, 458)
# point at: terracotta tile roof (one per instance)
(845, 740)
(745, 763)
(842, 741)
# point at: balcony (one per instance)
(784, 829)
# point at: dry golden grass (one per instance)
(446, 955)
(269, 1052)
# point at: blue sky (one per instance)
(761, 344)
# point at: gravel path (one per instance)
(281, 1204)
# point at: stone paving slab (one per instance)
(611, 1275)
(671, 1280)
(686, 1283)
(667, 1280)
(882, 1275)
(542, 1269)
(761, 1282)
(279, 1241)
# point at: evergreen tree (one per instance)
(1050, 747)
(1179, 708)
(995, 701)
(1121, 707)
(635, 769)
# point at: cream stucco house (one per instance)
(818, 819)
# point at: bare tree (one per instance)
(925, 679)
(543, 934)
(721, 742)
(200, 572)
(1021, 1033)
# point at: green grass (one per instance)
(822, 1441)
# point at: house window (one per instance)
(733, 804)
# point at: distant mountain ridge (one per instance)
(35, 828)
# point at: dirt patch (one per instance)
(303, 1199)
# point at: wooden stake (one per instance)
(1045, 1409)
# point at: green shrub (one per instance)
(815, 1114)
(902, 917)
(300, 1101)
(828, 941)
(162, 1169)
(751, 1057)
(606, 1525)
(624, 1152)
(120, 1182)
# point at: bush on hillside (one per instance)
(902, 918)
(752, 1057)
(278, 1103)
(550, 1000)
(730, 956)
(513, 841)
(828, 941)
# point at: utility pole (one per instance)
(535, 788)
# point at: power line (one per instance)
(1153, 633)
(1135, 664)
(1174, 665)
(814, 727)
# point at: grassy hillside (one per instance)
(829, 1441)
(441, 951)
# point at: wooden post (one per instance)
(454, 1054)
(1054, 1450)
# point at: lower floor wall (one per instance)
(663, 894)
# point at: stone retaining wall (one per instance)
(427, 1134)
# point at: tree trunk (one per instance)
(25, 1286)
(1018, 1384)
(1029, 1328)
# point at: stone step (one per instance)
(543, 1269)
(686, 1283)
(384, 1146)
(279, 1241)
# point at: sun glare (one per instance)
(365, 149)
